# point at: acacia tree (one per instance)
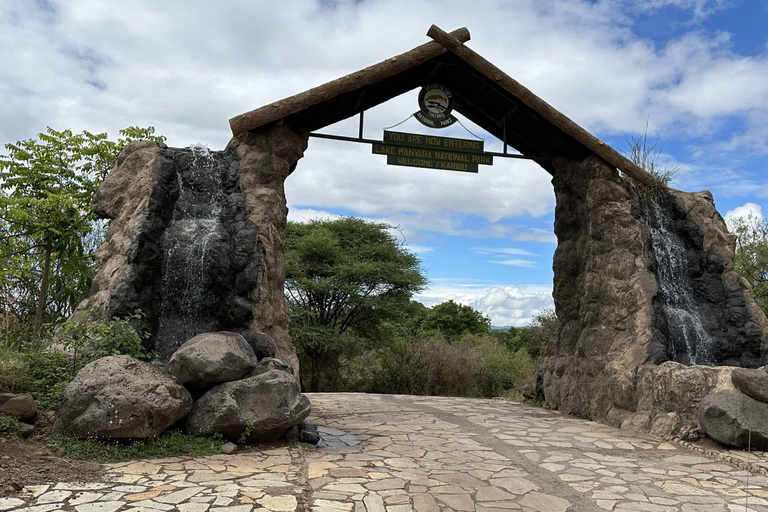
(452, 320)
(751, 260)
(48, 233)
(344, 278)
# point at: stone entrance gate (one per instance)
(644, 282)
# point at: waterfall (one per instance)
(685, 331)
(185, 304)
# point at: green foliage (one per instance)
(474, 365)
(167, 445)
(9, 427)
(88, 340)
(452, 320)
(48, 233)
(751, 260)
(44, 372)
(344, 279)
(534, 337)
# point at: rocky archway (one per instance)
(643, 274)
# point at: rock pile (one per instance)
(239, 397)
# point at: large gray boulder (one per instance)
(260, 408)
(212, 358)
(119, 397)
(735, 419)
(752, 382)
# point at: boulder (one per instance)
(259, 408)
(733, 418)
(752, 382)
(119, 397)
(212, 358)
(270, 363)
(21, 407)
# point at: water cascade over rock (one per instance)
(687, 340)
(188, 291)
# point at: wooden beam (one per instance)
(370, 75)
(543, 108)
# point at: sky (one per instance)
(693, 74)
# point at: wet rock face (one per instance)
(196, 241)
(617, 309)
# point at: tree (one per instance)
(452, 320)
(344, 278)
(48, 233)
(751, 260)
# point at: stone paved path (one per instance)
(425, 454)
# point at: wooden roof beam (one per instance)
(543, 108)
(370, 75)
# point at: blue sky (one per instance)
(696, 71)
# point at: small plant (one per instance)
(9, 427)
(649, 157)
(250, 426)
(167, 445)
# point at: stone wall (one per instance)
(246, 254)
(606, 360)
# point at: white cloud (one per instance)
(744, 211)
(505, 304)
(309, 214)
(502, 250)
(187, 66)
(419, 249)
(514, 263)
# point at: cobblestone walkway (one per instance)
(423, 454)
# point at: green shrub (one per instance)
(167, 445)
(474, 366)
(91, 340)
(44, 369)
(9, 427)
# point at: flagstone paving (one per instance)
(424, 454)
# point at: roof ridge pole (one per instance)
(346, 84)
(540, 106)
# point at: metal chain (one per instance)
(472, 134)
(398, 124)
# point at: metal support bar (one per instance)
(505, 135)
(372, 141)
(360, 132)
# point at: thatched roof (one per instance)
(482, 92)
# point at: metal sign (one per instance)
(431, 152)
(435, 106)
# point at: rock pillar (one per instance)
(609, 293)
(241, 262)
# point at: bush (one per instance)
(473, 366)
(43, 369)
